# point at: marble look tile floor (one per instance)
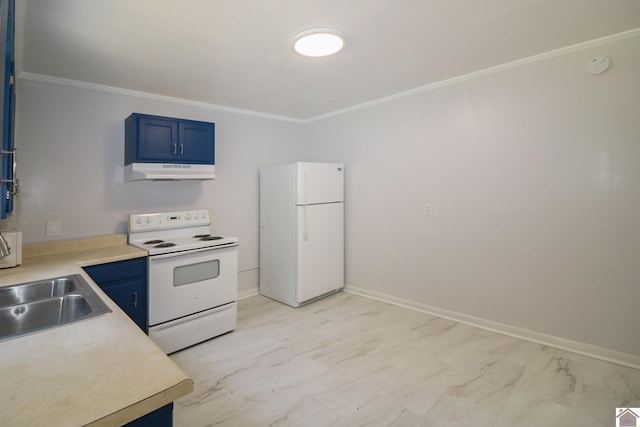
(352, 361)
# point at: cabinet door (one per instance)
(157, 139)
(7, 101)
(131, 297)
(125, 282)
(196, 142)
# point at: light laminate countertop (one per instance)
(102, 371)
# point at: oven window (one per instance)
(198, 272)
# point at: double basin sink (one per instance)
(36, 306)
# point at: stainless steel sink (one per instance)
(36, 291)
(37, 306)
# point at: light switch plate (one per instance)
(428, 209)
(54, 228)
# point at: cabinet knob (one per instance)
(135, 299)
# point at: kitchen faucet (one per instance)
(4, 248)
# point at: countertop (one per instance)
(102, 371)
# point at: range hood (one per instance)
(168, 172)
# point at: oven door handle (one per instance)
(189, 252)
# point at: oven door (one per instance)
(185, 283)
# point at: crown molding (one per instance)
(487, 71)
(422, 89)
(41, 78)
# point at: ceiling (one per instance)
(237, 53)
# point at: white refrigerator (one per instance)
(301, 231)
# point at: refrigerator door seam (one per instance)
(306, 207)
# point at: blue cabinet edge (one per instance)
(7, 112)
(117, 270)
(162, 417)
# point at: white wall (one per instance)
(70, 165)
(534, 177)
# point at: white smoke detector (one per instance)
(598, 64)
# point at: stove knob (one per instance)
(147, 220)
(187, 216)
(195, 215)
(138, 220)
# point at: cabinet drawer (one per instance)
(104, 274)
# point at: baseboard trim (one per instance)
(584, 349)
(248, 293)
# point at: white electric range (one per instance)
(193, 277)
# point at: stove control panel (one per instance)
(168, 220)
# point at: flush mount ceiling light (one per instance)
(317, 42)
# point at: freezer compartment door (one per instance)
(319, 183)
(320, 250)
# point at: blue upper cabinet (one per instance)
(8, 183)
(155, 139)
(166, 148)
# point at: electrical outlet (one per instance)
(54, 228)
(428, 209)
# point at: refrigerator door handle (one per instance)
(305, 236)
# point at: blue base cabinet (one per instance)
(125, 282)
(162, 417)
